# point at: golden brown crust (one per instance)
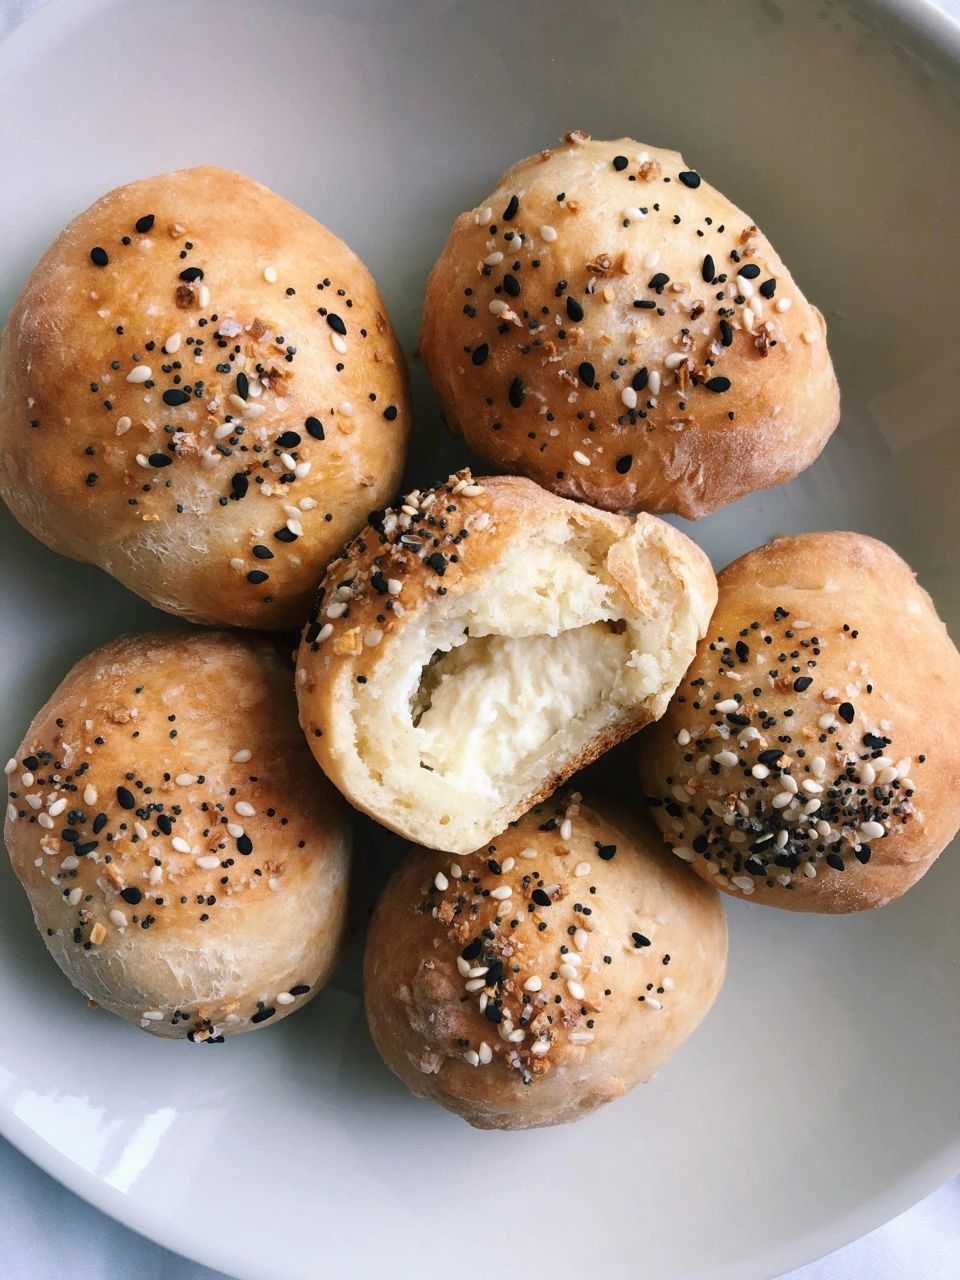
(181, 500)
(595, 960)
(857, 687)
(185, 861)
(444, 542)
(574, 379)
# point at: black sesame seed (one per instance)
(390, 412)
(801, 683)
(639, 940)
(175, 396)
(640, 379)
(749, 271)
(620, 163)
(658, 281)
(99, 257)
(624, 463)
(768, 288)
(863, 854)
(574, 310)
(717, 384)
(479, 354)
(159, 460)
(511, 285)
(131, 895)
(834, 860)
(288, 440)
(708, 270)
(244, 844)
(189, 274)
(239, 484)
(314, 428)
(606, 852)
(262, 553)
(726, 333)
(472, 949)
(256, 576)
(243, 385)
(587, 373)
(541, 898)
(515, 393)
(511, 210)
(845, 712)
(125, 798)
(336, 324)
(689, 178)
(144, 224)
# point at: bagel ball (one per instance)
(201, 393)
(809, 758)
(475, 647)
(546, 974)
(186, 863)
(608, 324)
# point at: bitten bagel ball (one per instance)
(200, 392)
(610, 325)
(186, 863)
(475, 647)
(534, 980)
(810, 756)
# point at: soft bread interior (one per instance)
(483, 701)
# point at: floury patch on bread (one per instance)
(480, 643)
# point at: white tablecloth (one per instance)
(47, 1233)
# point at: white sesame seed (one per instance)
(576, 990)
(886, 776)
(475, 984)
(140, 373)
(493, 259)
(528, 853)
(582, 458)
(152, 1015)
(324, 633)
(501, 893)
(140, 829)
(209, 862)
(540, 1047)
(810, 807)
(515, 1037)
(789, 783)
(70, 862)
(338, 343)
(507, 865)
(181, 845)
(629, 397)
(172, 344)
(373, 638)
(345, 407)
(483, 216)
(284, 997)
(463, 967)
(683, 737)
(244, 808)
(203, 296)
(185, 779)
(580, 939)
(455, 870)
(633, 213)
(760, 771)
(45, 820)
(743, 882)
(652, 258)
(809, 337)
(581, 869)
(652, 1003)
(781, 839)
(726, 759)
(548, 233)
(234, 830)
(683, 853)
(782, 799)
(497, 306)
(571, 957)
(288, 461)
(811, 787)
(74, 896)
(10, 766)
(12, 812)
(34, 801)
(809, 870)
(58, 806)
(241, 756)
(118, 918)
(675, 359)
(533, 984)
(727, 705)
(295, 527)
(873, 830)
(26, 779)
(784, 304)
(653, 382)
(89, 794)
(472, 490)
(471, 1057)
(270, 275)
(485, 1052)
(569, 971)
(827, 722)
(441, 881)
(566, 829)
(156, 874)
(748, 318)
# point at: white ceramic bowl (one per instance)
(820, 1097)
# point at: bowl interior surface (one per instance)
(820, 1096)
